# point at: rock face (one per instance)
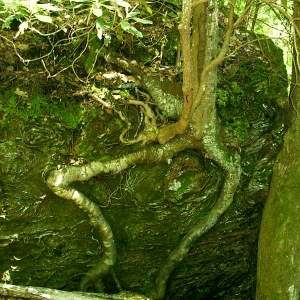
(48, 241)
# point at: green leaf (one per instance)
(132, 14)
(109, 24)
(123, 3)
(98, 12)
(173, 15)
(148, 8)
(100, 22)
(8, 21)
(125, 25)
(50, 7)
(79, 5)
(11, 18)
(135, 32)
(110, 7)
(43, 18)
(143, 21)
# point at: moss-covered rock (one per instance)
(47, 241)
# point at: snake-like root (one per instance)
(60, 182)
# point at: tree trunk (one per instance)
(278, 275)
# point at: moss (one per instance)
(250, 89)
(36, 108)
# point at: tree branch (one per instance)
(218, 60)
(41, 293)
(170, 131)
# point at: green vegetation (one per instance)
(37, 108)
(106, 18)
(253, 82)
(85, 78)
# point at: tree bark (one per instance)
(278, 273)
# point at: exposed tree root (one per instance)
(230, 164)
(60, 181)
(197, 112)
(150, 131)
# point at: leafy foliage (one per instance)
(104, 17)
